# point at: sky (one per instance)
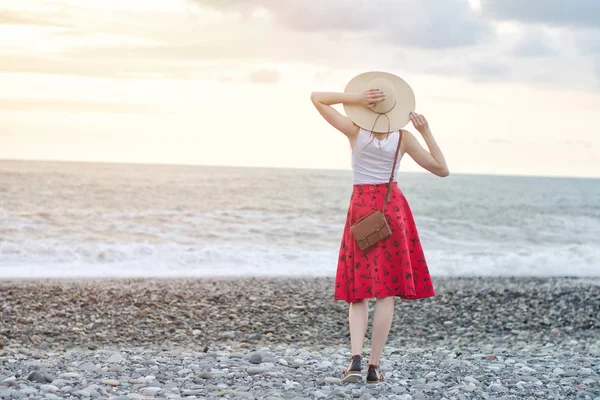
(508, 86)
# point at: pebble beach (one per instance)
(285, 338)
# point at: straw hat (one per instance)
(386, 116)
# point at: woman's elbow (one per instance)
(313, 97)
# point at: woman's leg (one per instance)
(358, 315)
(382, 322)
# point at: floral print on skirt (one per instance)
(395, 266)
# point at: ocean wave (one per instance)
(52, 258)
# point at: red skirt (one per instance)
(395, 266)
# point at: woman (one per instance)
(394, 266)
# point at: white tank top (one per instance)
(372, 163)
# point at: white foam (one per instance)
(100, 259)
(53, 259)
(567, 260)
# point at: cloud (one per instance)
(225, 40)
(587, 41)
(224, 78)
(264, 76)
(103, 67)
(489, 70)
(550, 12)
(429, 24)
(13, 18)
(535, 43)
(79, 106)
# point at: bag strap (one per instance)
(389, 190)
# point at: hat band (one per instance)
(380, 114)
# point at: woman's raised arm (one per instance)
(324, 100)
(433, 161)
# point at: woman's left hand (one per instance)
(420, 123)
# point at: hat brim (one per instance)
(364, 117)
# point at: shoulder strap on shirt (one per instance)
(389, 190)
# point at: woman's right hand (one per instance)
(371, 97)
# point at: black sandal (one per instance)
(374, 376)
(354, 371)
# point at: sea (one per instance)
(90, 220)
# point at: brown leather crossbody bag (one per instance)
(373, 227)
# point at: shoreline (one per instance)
(445, 280)
(101, 311)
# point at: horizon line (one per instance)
(283, 168)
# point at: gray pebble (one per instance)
(243, 395)
(207, 375)
(398, 389)
(470, 379)
(319, 395)
(323, 365)
(419, 396)
(49, 388)
(36, 376)
(497, 388)
(255, 370)
(150, 391)
(192, 392)
(88, 366)
(470, 387)
(70, 375)
(227, 335)
(256, 358)
(10, 381)
(256, 336)
(116, 358)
